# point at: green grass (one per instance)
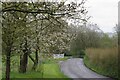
(51, 60)
(49, 68)
(0, 73)
(0, 67)
(26, 75)
(52, 71)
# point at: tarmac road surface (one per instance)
(75, 68)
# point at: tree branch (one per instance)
(31, 58)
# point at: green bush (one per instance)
(78, 53)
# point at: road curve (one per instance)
(75, 68)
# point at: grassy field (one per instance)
(103, 61)
(49, 68)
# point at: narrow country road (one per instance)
(75, 68)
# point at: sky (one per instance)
(104, 13)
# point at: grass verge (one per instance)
(102, 61)
(49, 68)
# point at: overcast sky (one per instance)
(104, 13)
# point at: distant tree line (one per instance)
(90, 36)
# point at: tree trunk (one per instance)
(23, 63)
(8, 65)
(36, 60)
(24, 58)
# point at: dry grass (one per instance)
(104, 61)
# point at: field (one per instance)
(103, 61)
(49, 68)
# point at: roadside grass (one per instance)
(103, 61)
(49, 68)
(48, 71)
(31, 74)
(51, 60)
(52, 71)
(0, 67)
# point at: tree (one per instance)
(52, 13)
(86, 36)
(8, 36)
